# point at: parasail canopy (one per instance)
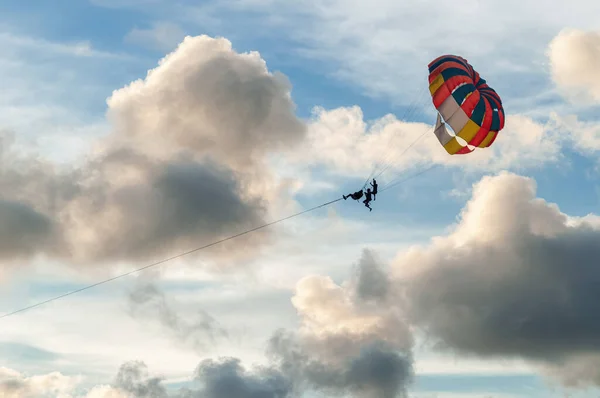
(466, 103)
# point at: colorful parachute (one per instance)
(466, 103)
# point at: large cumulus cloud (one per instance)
(208, 99)
(186, 163)
(515, 278)
(351, 341)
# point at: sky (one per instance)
(132, 131)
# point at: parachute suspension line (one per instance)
(388, 155)
(403, 152)
(388, 162)
(169, 259)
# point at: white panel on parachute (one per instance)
(440, 131)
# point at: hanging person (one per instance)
(356, 195)
(374, 185)
(368, 199)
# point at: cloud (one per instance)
(16, 385)
(346, 345)
(161, 36)
(187, 103)
(51, 107)
(329, 311)
(77, 49)
(157, 208)
(515, 278)
(227, 378)
(27, 225)
(371, 279)
(583, 135)
(196, 330)
(575, 64)
(106, 392)
(185, 164)
(134, 379)
(23, 230)
(377, 371)
(348, 145)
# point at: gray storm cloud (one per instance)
(185, 164)
(516, 278)
(134, 379)
(227, 378)
(378, 370)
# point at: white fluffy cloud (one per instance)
(350, 340)
(16, 385)
(357, 310)
(209, 100)
(584, 136)
(575, 64)
(343, 141)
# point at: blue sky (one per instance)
(73, 86)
